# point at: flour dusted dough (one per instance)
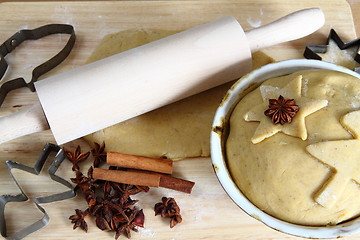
(279, 174)
(297, 127)
(344, 57)
(179, 130)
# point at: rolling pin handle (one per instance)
(293, 26)
(26, 121)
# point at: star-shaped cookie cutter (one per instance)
(311, 51)
(4, 199)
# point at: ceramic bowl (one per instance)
(218, 137)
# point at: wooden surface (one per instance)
(355, 8)
(208, 213)
(354, 5)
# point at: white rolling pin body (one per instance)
(112, 90)
(128, 84)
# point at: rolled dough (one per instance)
(178, 130)
(308, 182)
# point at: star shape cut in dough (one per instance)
(343, 156)
(297, 127)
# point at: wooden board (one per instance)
(208, 213)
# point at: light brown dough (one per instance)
(284, 174)
(344, 57)
(179, 130)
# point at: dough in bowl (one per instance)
(307, 171)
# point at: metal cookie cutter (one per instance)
(311, 51)
(4, 199)
(23, 35)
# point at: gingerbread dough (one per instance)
(179, 130)
(340, 57)
(295, 178)
(291, 91)
(343, 157)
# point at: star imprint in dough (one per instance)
(297, 127)
(343, 157)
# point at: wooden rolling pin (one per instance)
(112, 90)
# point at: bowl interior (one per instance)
(219, 134)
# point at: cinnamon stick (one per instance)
(129, 177)
(176, 183)
(144, 178)
(138, 162)
(167, 181)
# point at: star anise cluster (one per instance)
(109, 202)
(168, 208)
(281, 110)
(99, 154)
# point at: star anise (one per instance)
(112, 208)
(117, 221)
(127, 190)
(168, 208)
(99, 154)
(101, 221)
(281, 110)
(110, 202)
(79, 219)
(86, 185)
(76, 157)
(135, 219)
(175, 220)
